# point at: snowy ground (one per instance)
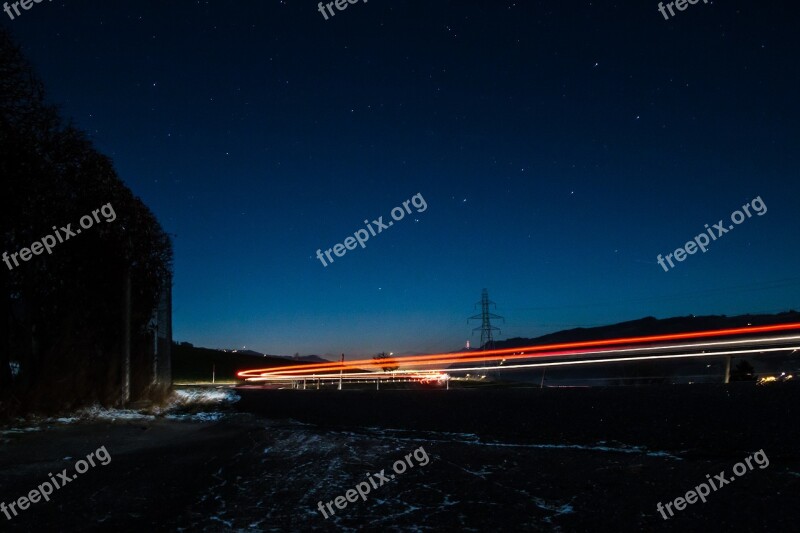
(200, 466)
(191, 403)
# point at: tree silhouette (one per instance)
(743, 371)
(387, 364)
(61, 314)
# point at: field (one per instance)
(530, 459)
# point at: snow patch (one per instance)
(204, 396)
(196, 417)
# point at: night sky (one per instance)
(559, 146)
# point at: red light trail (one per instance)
(548, 350)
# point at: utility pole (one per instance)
(341, 370)
(126, 339)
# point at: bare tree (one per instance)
(387, 363)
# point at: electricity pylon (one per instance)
(486, 329)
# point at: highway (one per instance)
(750, 341)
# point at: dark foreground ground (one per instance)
(525, 459)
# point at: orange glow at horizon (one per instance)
(507, 353)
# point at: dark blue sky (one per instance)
(560, 147)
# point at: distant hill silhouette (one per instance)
(296, 357)
(191, 363)
(651, 326)
(641, 373)
(306, 358)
